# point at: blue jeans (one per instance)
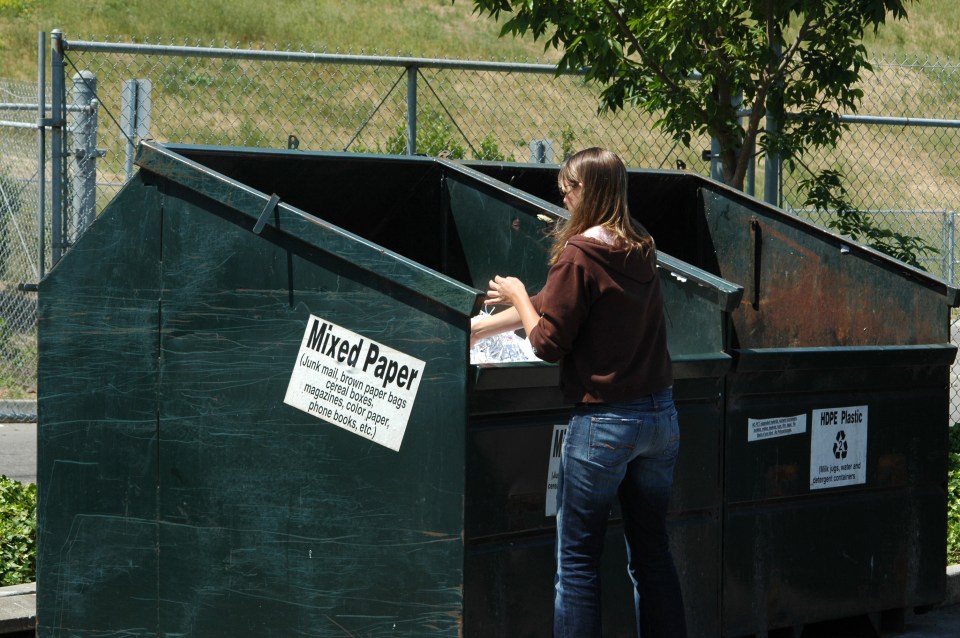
(626, 450)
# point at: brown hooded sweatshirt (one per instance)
(601, 316)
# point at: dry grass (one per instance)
(426, 28)
(230, 102)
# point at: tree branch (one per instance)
(787, 58)
(632, 38)
(774, 72)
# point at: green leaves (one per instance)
(435, 135)
(644, 52)
(18, 532)
(798, 60)
(826, 193)
(953, 497)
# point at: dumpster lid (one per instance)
(842, 243)
(725, 294)
(276, 221)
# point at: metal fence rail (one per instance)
(898, 153)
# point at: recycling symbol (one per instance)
(840, 447)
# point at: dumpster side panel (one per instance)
(849, 297)
(695, 506)
(525, 606)
(273, 521)
(97, 426)
(808, 539)
(867, 555)
(497, 236)
(510, 539)
(694, 323)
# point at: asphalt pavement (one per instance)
(18, 460)
(18, 451)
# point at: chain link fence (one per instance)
(899, 156)
(19, 248)
(326, 102)
(901, 166)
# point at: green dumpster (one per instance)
(836, 425)
(257, 416)
(835, 408)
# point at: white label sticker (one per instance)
(759, 429)
(553, 469)
(354, 383)
(838, 447)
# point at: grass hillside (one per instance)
(930, 30)
(428, 28)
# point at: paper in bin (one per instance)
(507, 347)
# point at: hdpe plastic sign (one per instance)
(838, 447)
(354, 383)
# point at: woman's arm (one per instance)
(485, 326)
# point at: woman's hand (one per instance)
(511, 291)
(506, 290)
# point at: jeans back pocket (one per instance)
(613, 440)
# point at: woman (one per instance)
(600, 314)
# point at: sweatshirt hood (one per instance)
(630, 263)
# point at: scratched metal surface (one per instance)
(824, 323)
(808, 289)
(793, 555)
(181, 497)
(97, 428)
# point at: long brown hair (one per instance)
(602, 178)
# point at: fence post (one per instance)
(751, 186)
(411, 110)
(128, 121)
(716, 166)
(84, 152)
(772, 164)
(952, 246)
(57, 155)
(41, 151)
(134, 116)
(541, 151)
(771, 169)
